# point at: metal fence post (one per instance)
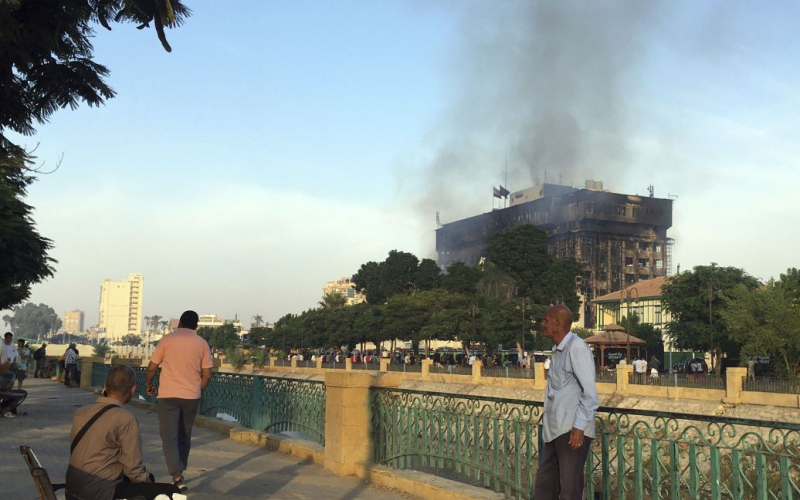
(256, 417)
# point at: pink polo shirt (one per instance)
(181, 354)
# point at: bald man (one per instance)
(105, 460)
(570, 404)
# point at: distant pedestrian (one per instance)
(22, 362)
(640, 367)
(71, 365)
(751, 369)
(654, 376)
(40, 356)
(11, 355)
(570, 404)
(186, 363)
(10, 399)
(655, 363)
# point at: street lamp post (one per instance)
(526, 304)
(711, 286)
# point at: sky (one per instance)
(283, 144)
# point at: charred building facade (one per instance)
(619, 238)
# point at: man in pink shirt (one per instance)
(185, 361)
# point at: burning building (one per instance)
(619, 238)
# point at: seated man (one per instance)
(106, 455)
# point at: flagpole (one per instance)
(505, 182)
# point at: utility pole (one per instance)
(711, 324)
(526, 304)
(629, 297)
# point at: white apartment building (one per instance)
(346, 288)
(73, 322)
(121, 307)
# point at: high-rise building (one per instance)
(73, 322)
(346, 288)
(121, 307)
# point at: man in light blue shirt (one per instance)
(570, 403)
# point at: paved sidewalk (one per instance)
(219, 469)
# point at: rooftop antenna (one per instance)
(651, 190)
(545, 177)
(438, 221)
(559, 179)
(672, 196)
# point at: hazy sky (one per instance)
(282, 144)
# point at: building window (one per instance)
(658, 315)
(644, 262)
(629, 278)
(621, 210)
(658, 248)
(659, 264)
(628, 261)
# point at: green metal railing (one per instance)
(605, 376)
(637, 454)
(508, 372)
(773, 384)
(271, 404)
(451, 369)
(402, 367)
(706, 381)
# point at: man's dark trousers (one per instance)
(176, 419)
(560, 475)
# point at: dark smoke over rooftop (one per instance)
(543, 85)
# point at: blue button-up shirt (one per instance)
(570, 399)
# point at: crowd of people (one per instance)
(408, 357)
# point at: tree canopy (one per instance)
(695, 300)
(220, 337)
(46, 64)
(33, 321)
(521, 253)
(401, 272)
(414, 301)
(766, 322)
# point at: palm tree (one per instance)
(147, 322)
(333, 300)
(163, 325)
(257, 320)
(154, 320)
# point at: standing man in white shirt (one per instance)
(12, 355)
(570, 404)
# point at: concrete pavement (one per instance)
(219, 468)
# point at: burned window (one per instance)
(629, 278)
(628, 261)
(644, 262)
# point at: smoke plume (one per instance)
(542, 87)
